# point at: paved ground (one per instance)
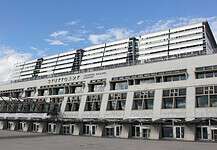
(10, 140)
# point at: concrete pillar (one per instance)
(209, 133)
(99, 130)
(78, 129)
(13, 125)
(155, 132)
(157, 104)
(189, 133)
(26, 126)
(2, 124)
(190, 103)
(42, 127)
(125, 131)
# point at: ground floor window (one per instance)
(52, 128)
(113, 130)
(167, 132)
(10, 125)
(139, 131)
(202, 133)
(35, 127)
(89, 129)
(68, 129)
(22, 126)
(176, 132)
(214, 134)
(179, 132)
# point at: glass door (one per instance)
(214, 134)
(66, 129)
(145, 133)
(179, 132)
(202, 133)
(109, 132)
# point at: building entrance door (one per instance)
(145, 133)
(179, 132)
(214, 134)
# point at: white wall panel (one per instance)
(184, 33)
(115, 56)
(90, 66)
(185, 44)
(91, 61)
(114, 62)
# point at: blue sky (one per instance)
(31, 29)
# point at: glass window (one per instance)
(93, 103)
(182, 92)
(61, 91)
(148, 80)
(78, 89)
(199, 75)
(116, 101)
(166, 92)
(205, 133)
(202, 101)
(209, 74)
(120, 85)
(174, 98)
(213, 101)
(215, 73)
(137, 104)
(167, 132)
(180, 102)
(167, 103)
(143, 100)
(199, 90)
(148, 104)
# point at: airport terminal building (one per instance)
(160, 85)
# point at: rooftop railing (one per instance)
(158, 59)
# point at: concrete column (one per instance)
(26, 126)
(125, 131)
(13, 125)
(78, 129)
(155, 132)
(99, 130)
(157, 104)
(42, 127)
(190, 103)
(209, 133)
(2, 125)
(58, 128)
(189, 132)
(63, 105)
(129, 104)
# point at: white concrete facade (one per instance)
(147, 100)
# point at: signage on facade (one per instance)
(64, 79)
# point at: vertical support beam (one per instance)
(189, 132)
(155, 132)
(125, 131)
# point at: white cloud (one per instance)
(55, 42)
(33, 48)
(180, 21)
(100, 27)
(110, 35)
(38, 52)
(62, 38)
(73, 39)
(72, 23)
(140, 22)
(59, 33)
(8, 58)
